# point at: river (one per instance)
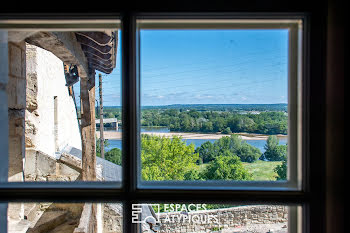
(197, 142)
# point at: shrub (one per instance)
(227, 167)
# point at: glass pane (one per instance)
(171, 217)
(63, 217)
(214, 104)
(60, 85)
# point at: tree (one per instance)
(226, 167)
(281, 171)
(248, 153)
(208, 126)
(227, 130)
(166, 158)
(233, 144)
(274, 151)
(114, 156)
(98, 146)
(193, 175)
(206, 152)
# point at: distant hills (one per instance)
(220, 107)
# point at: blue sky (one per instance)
(208, 67)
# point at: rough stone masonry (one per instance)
(221, 219)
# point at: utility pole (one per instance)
(102, 146)
(97, 108)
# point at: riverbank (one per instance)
(245, 136)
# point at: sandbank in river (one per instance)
(245, 136)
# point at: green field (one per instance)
(262, 170)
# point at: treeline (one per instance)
(236, 118)
(109, 112)
(234, 145)
(270, 122)
(222, 107)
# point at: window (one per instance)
(133, 190)
(228, 89)
(49, 146)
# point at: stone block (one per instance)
(16, 90)
(16, 58)
(30, 211)
(16, 153)
(40, 178)
(16, 122)
(74, 209)
(30, 162)
(64, 170)
(45, 164)
(15, 142)
(18, 226)
(48, 221)
(29, 142)
(32, 92)
(71, 160)
(15, 211)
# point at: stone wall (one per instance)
(16, 94)
(40, 166)
(112, 218)
(51, 119)
(221, 219)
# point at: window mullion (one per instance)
(130, 100)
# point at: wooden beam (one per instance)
(64, 46)
(86, 41)
(99, 37)
(88, 127)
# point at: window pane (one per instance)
(215, 103)
(171, 217)
(63, 217)
(55, 103)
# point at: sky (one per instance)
(207, 67)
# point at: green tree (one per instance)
(98, 146)
(193, 175)
(236, 146)
(247, 153)
(226, 167)
(227, 130)
(208, 126)
(114, 156)
(274, 151)
(206, 152)
(166, 158)
(281, 171)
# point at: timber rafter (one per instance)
(99, 48)
(87, 50)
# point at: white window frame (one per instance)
(295, 142)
